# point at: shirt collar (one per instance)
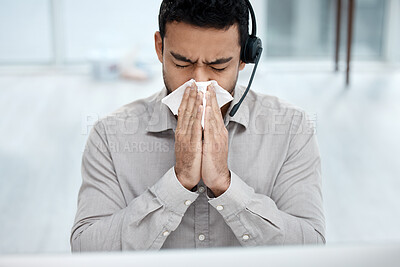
(163, 119)
(242, 115)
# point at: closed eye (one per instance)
(218, 69)
(181, 66)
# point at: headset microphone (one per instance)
(251, 53)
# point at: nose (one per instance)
(200, 74)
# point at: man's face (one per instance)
(202, 54)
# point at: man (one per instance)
(152, 180)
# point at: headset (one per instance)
(250, 53)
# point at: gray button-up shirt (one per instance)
(130, 197)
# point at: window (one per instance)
(306, 29)
(36, 32)
(25, 31)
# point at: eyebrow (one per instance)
(220, 61)
(181, 58)
(215, 62)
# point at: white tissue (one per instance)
(174, 99)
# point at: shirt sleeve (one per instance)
(105, 222)
(293, 214)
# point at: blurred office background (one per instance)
(66, 63)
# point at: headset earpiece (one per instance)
(251, 50)
(250, 53)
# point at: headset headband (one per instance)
(253, 18)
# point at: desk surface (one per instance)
(361, 255)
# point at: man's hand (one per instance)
(214, 171)
(188, 138)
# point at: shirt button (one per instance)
(188, 202)
(202, 237)
(245, 237)
(220, 207)
(166, 233)
(202, 189)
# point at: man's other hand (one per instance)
(215, 172)
(188, 138)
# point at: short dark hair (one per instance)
(218, 14)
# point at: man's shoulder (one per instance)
(271, 113)
(262, 102)
(132, 114)
(138, 108)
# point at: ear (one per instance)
(158, 45)
(241, 65)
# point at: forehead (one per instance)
(195, 41)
